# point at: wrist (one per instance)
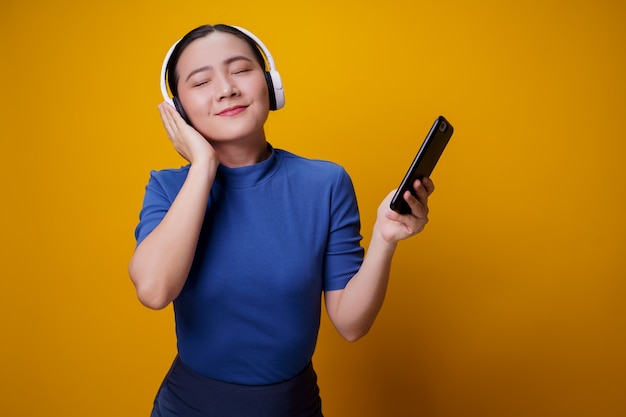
(205, 163)
(380, 239)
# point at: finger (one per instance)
(421, 192)
(418, 209)
(166, 119)
(177, 119)
(418, 218)
(429, 185)
(171, 120)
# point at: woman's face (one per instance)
(222, 88)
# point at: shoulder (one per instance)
(313, 167)
(169, 176)
(170, 173)
(320, 178)
(167, 182)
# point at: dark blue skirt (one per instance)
(184, 393)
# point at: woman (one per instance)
(245, 239)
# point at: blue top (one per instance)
(276, 234)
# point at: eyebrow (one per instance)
(226, 62)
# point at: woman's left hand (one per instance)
(394, 226)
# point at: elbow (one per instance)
(152, 299)
(351, 338)
(148, 293)
(354, 334)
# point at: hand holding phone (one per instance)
(424, 162)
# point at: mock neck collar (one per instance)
(250, 175)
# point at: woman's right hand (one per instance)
(187, 141)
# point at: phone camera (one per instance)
(443, 126)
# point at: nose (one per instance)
(226, 88)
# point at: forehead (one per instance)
(213, 49)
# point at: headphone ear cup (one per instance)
(270, 90)
(181, 111)
(275, 90)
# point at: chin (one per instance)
(233, 131)
(232, 136)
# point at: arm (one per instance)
(161, 262)
(353, 309)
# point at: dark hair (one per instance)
(201, 32)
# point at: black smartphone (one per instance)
(424, 162)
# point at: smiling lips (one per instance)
(232, 111)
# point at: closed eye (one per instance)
(200, 84)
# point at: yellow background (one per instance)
(511, 303)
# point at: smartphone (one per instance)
(424, 162)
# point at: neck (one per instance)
(240, 154)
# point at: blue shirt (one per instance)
(276, 234)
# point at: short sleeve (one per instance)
(344, 253)
(161, 190)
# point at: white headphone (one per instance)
(272, 77)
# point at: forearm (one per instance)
(358, 304)
(161, 263)
(354, 309)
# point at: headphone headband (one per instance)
(164, 92)
(261, 45)
(274, 81)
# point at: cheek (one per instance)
(191, 101)
(256, 86)
(262, 93)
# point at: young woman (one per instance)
(245, 239)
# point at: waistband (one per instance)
(195, 395)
